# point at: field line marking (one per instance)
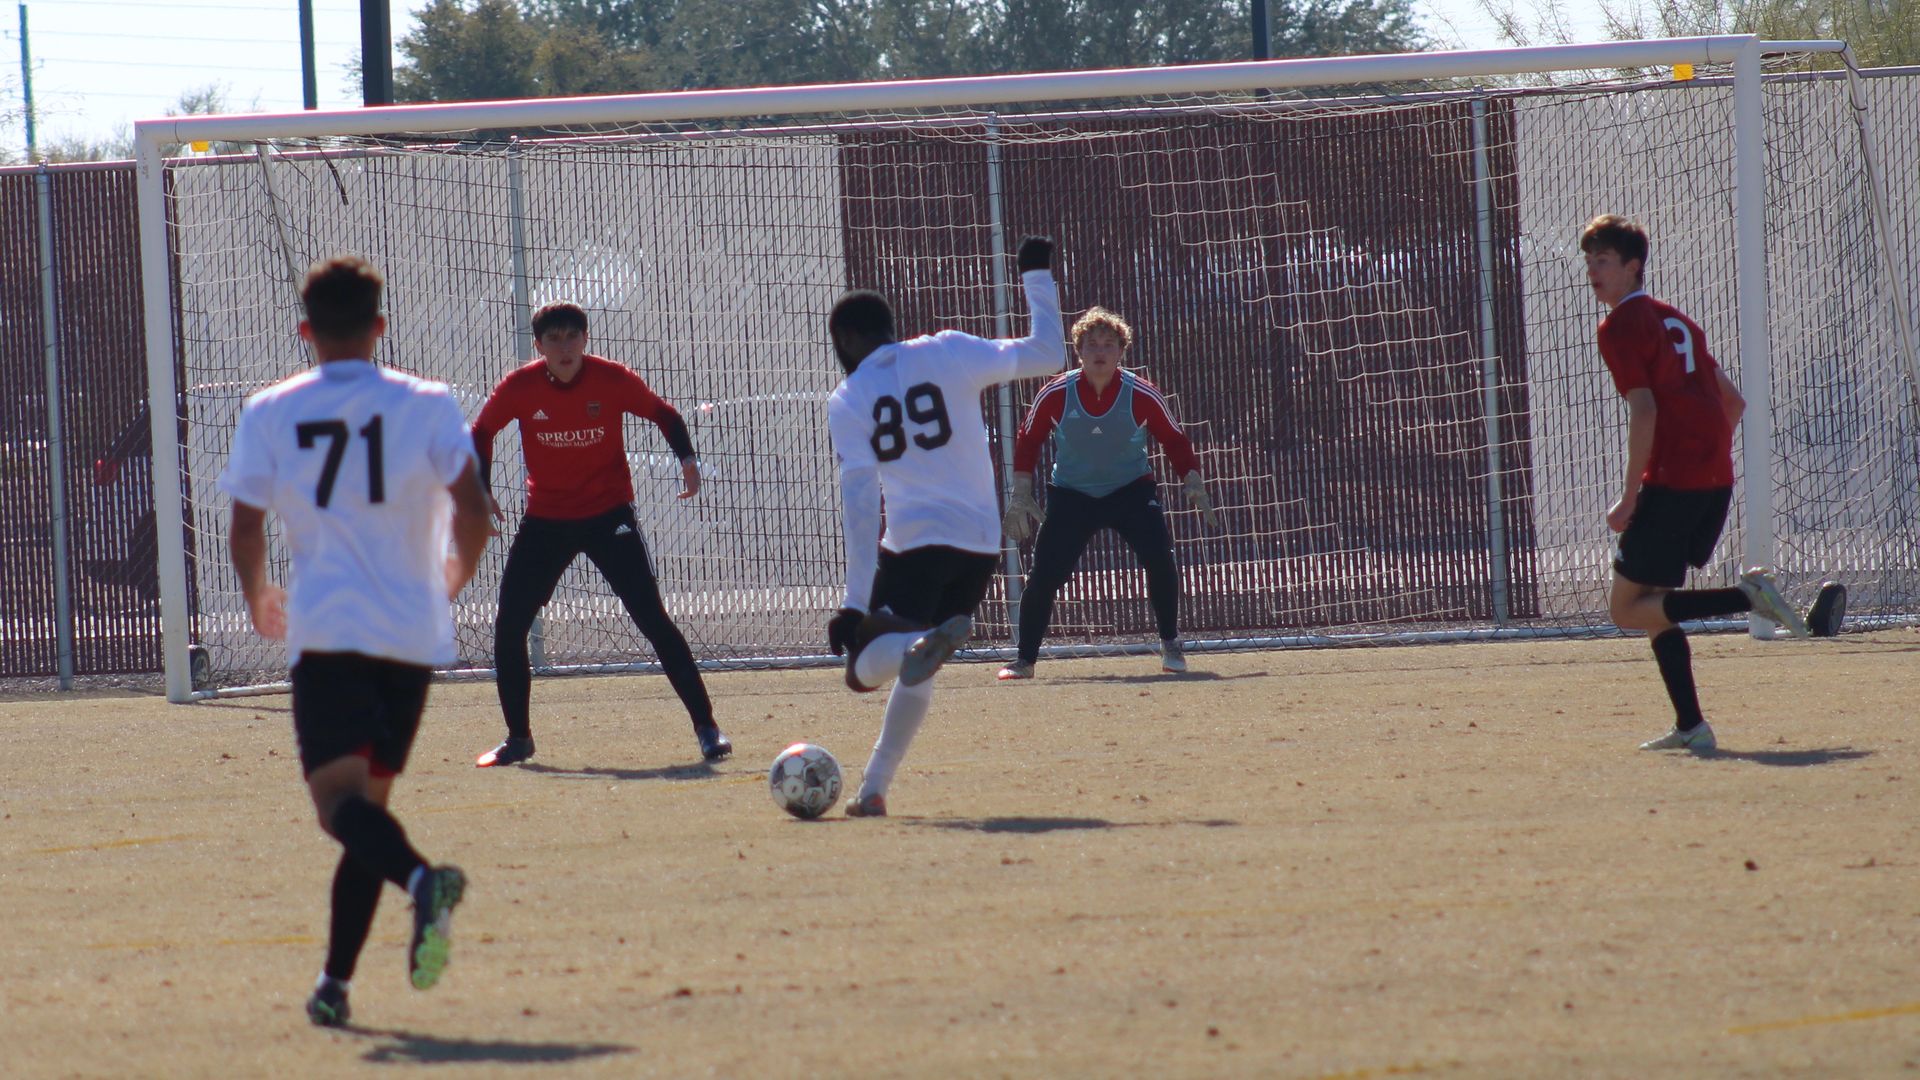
(1909, 1009)
(105, 844)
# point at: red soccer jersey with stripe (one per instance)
(1149, 411)
(570, 433)
(1649, 343)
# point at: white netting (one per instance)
(1311, 282)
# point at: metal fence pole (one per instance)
(1002, 328)
(523, 330)
(56, 431)
(1490, 369)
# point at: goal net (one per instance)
(1367, 305)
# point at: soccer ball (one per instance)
(805, 780)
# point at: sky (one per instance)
(99, 65)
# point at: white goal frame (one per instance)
(1743, 52)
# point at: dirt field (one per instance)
(1444, 861)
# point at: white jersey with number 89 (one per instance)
(911, 410)
(355, 461)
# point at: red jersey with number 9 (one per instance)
(1649, 343)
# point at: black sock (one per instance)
(1684, 604)
(356, 893)
(371, 835)
(1675, 657)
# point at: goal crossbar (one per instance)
(964, 90)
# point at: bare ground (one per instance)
(1444, 860)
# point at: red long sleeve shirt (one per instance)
(571, 434)
(1149, 410)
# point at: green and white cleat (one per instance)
(1698, 739)
(434, 897)
(1769, 604)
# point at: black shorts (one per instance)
(1670, 531)
(932, 584)
(346, 704)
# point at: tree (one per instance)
(472, 49)
(208, 100)
(457, 54)
(1882, 32)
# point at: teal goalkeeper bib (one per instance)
(1098, 455)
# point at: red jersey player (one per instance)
(1099, 417)
(569, 406)
(1681, 409)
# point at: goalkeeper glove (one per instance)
(1198, 498)
(1023, 511)
(1036, 253)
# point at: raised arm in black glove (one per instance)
(1036, 253)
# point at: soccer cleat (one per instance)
(435, 894)
(515, 750)
(328, 1005)
(925, 656)
(1698, 739)
(1173, 658)
(1768, 603)
(1019, 669)
(868, 806)
(713, 744)
(1829, 610)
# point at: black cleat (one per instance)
(1829, 610)
(328, 1005)
(713, 744)
(434, 898)
(515, 750)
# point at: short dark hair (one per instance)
(342, 297)
(1611, 232)
(559, 315)
(864, 313)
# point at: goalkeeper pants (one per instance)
(1073, 517)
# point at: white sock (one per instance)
(879, 662)
(413, 879)
(906, 709)
(321, 982)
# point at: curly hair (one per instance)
(1099, 318)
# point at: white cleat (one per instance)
(1019, 669)
(1769, 604)
(1173, 658)
(1699, 740)
(925, 656)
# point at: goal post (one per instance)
(1461, 505)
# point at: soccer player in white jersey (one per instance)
(366, 469)
(906, 425)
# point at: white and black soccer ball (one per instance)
(805, 780)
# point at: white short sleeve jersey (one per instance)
(355, 461)
(912, 410)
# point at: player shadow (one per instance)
(407, 1048)
(1159, 677)
(1789, 759)
(1031, 825)
(696, 771)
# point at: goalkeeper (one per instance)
(1100, 417)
